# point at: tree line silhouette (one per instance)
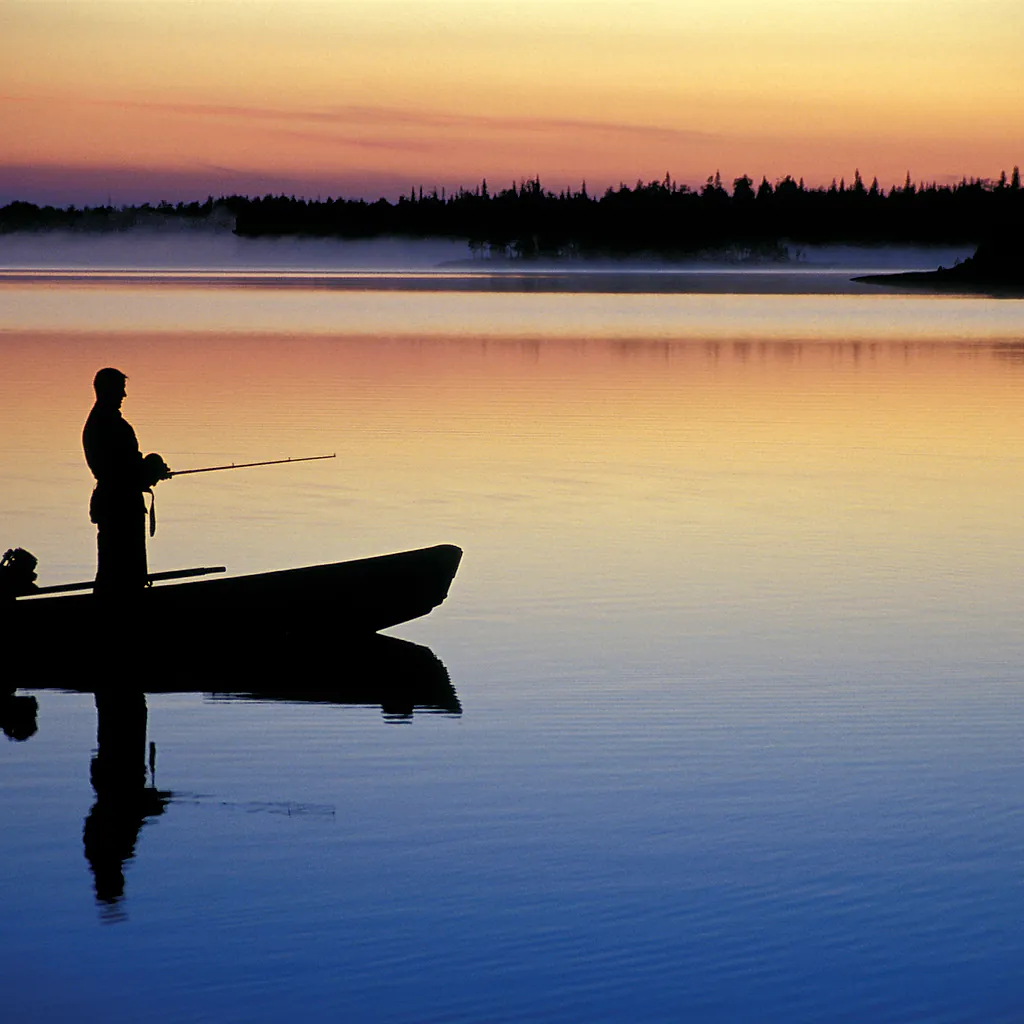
(527, 220)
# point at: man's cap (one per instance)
(108, 379)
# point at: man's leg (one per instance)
(121, 554)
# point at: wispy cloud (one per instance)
(390, 119)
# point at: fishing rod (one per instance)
(161, 472)
(248, 465)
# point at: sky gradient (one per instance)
(171, 98)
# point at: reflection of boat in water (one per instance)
(401, 678)
(340, 598)
(18, 716)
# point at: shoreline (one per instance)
(631, 281)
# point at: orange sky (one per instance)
(172, 98)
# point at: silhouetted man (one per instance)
(122, 475)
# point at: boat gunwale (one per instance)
(266, 579)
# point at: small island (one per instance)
(997, 267)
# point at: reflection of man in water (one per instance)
(122, 475)
(123, 800)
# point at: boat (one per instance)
(335, 600)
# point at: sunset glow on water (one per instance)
(735, 638)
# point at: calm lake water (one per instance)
(736, 639)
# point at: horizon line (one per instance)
(278, 186)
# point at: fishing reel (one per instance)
(17, 573)
(154, 469)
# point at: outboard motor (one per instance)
(17, 577)
(17, 574)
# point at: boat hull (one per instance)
(338, 599)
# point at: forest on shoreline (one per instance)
(663, 217)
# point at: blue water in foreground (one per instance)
(736, 641)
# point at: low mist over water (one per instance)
(181, 248)
(205, 249)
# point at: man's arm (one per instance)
(112, 451)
